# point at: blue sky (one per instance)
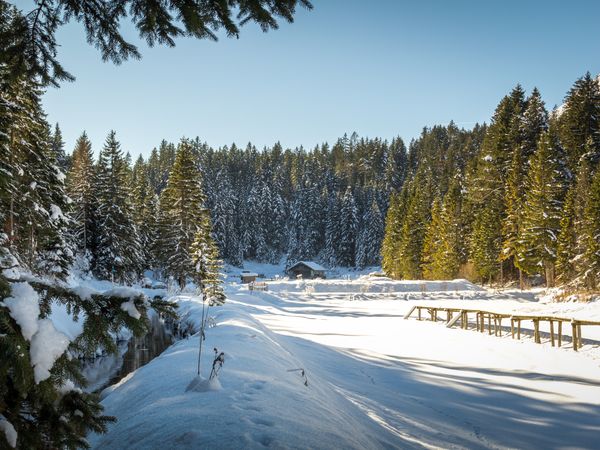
(380, 68)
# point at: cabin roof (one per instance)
(248, 274)
(311, 264)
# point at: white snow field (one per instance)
(375, 380)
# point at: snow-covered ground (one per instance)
(374, 379)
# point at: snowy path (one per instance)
(375, 381)
(436, 386)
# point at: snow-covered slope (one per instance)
(263, 401)
(374, 379)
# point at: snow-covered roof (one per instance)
(313, 265)
(248, 274)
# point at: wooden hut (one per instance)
(248, 277)
(306, 270)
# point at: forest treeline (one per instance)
(511, 200)
(519, 197)
(328, 203)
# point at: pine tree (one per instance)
(417, 212)
(348, 226)
(591, 236)
(370, 237)
(58, 150)
(433, 267)
(444, 247)
(580, 122)
(542, 209)
(332, 230)
(390, 250)
(119, 254)
(81, 186)
(144, 210)
(183, 214)
(567, 240)
(36, 204)
(207, 264)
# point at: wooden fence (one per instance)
(453, 316)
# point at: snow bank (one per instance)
(261, 403)
(200, 384)
(374, 379)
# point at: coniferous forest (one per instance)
(506, 201)
(513, 200)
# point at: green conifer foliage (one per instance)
(81, 186)
(433, 267)
(580, 122)
(545, 190)
(591, 236)
(182, 214)
(119, 254)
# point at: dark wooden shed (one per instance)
(306, 270)
(248, 277)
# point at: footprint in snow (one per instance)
(262, 421)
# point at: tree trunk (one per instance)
(520, 279)
(549, 272)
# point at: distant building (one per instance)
(248, 277)
(306, 270)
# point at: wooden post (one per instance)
(448, 316)
(489, 324)
(499, 326)
(574, 329)
(519, 329)
(559, 333)
(579, 339)
(536, 331)
(552, 331)
(512, 327)
(419, 309)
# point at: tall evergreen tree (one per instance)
(370, 237)
(348, 222)
(81, 185)
(119, 255)
(580, 122)
(591, 236)
(183, 214)
(545, 190)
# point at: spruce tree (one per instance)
(119, 254)
(144, 210)
(591, 236)
(58, 149)
(207, 264)
(580, 122)
(432, 266)
(567, 240)
(81, 186)
(182, 214)
(545, 190)
(348, 228)
(370, 237)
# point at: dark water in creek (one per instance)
(135, 353)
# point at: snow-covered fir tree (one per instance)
(182, 205)
(119, 253)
